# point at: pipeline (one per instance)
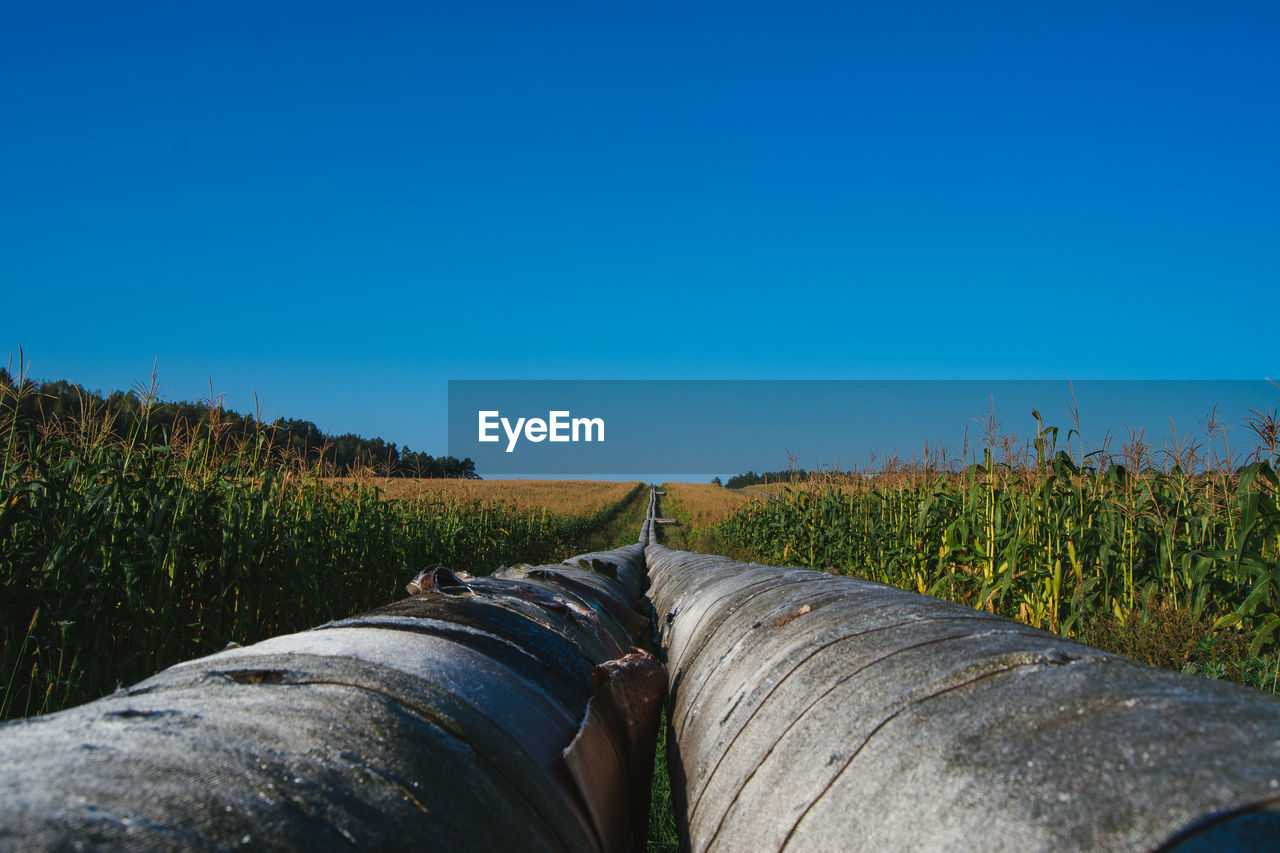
(812, 712)
(807, 712)
(503, 712)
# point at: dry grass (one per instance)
(703, 504)
(768, 490)
(563, 497)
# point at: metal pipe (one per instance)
(812, 712)
(509, 712)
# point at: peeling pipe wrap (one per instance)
(812, 712)
(502, 713)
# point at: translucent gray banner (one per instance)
(717, 427)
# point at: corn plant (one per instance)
(120, 557)
(1056, 543)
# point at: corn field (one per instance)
(1057, 543)
(562, 497)
(119, 557)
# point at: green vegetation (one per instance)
(1176, 564)
(697, 507)
(121, 555)
(663, 837)
(121, 414)
(751, 478)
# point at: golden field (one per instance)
(563, 497)
(703, 504)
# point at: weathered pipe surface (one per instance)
(649, 532)
(813, 712)
(503, 713)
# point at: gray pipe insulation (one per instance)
(812, 712)
(508, 712)
(807, 712)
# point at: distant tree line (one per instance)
(751, 478)
(121, 414)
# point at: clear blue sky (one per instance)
(342, 205)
